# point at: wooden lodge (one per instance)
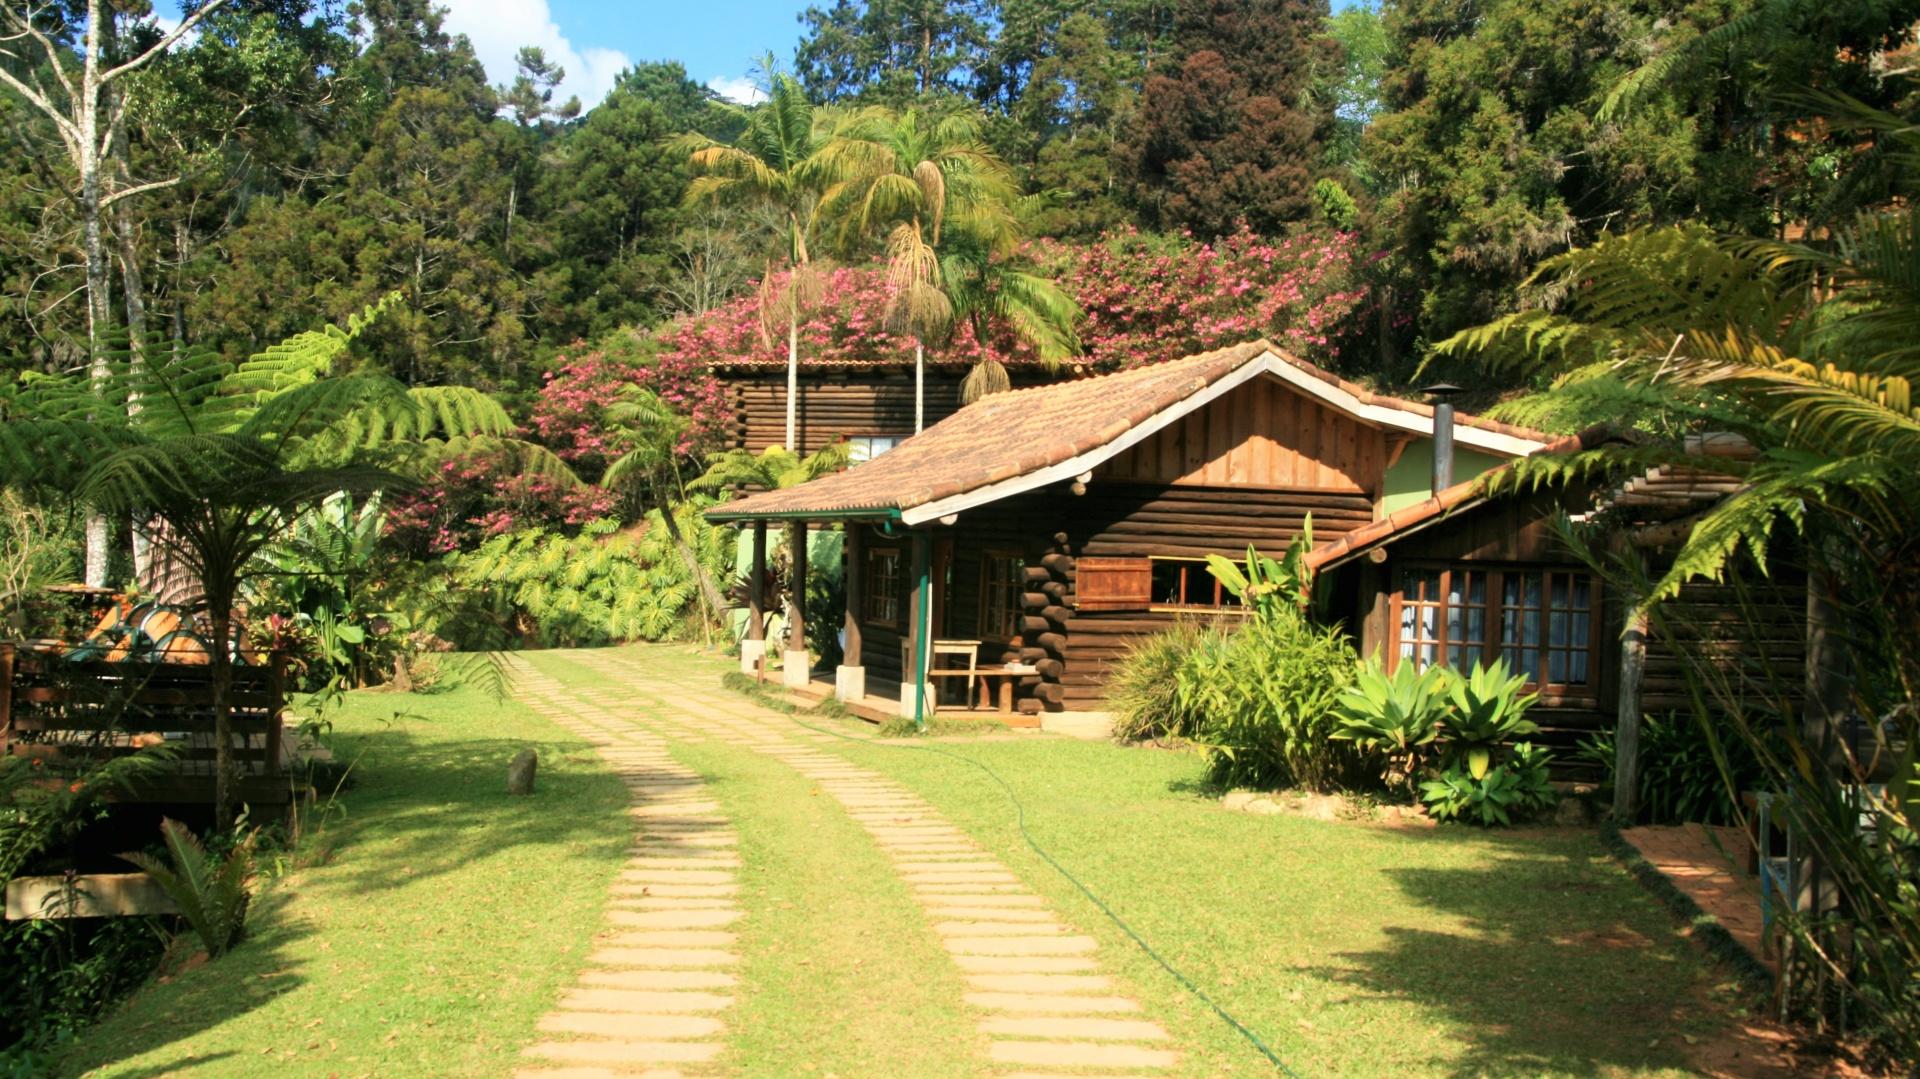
(1025, 540)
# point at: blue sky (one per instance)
(595, 39)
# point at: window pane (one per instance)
(1557, 668)
(1582, 625)
(1557, 629)
(1577, 669)
(1582, 594)
(1430, 623)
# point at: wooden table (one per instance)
(938, 648)
(1008, 676)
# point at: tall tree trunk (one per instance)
(919, 385)
(220, 674)
(793, 358)
(134, 290)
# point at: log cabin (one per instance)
(1481, 572)
(1029, 538)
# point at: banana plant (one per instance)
(1267, 586)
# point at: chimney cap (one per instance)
(1442, 390)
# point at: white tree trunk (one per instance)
(919, 385)
(793, 364)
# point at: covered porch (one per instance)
(929, 625)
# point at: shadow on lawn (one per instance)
(1548, 974)
(440, 805)
(196, 1001)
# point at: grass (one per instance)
(1352, 949)
(433, 938)
(841, 976)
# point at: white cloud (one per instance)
(737, 88)
(498, 28)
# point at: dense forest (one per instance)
(311, 158)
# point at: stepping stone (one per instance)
(1040, 983)
(991, 914)
(1023, 946)
(1024, 964)
(976, 928)
(650, 1027)
(959, 876)
(674, 919)
(1132, 1030)
(598, 1074)
(651, 1000)
(938, 891)
(662, 957)
(622, 1051)
(642, 858)
(990, 901)
(665, 938)
(674, 902)
(667, 888)
(691, 809)
(1080, 1055)
(1050, 1003)
(676, 876)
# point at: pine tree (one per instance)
(1234, 132)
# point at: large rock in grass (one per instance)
(520, 771)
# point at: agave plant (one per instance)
(1396, 715)
(212, 893)
(1489, 707)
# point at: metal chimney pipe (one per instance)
(1442, 396)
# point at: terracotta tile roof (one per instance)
(1013, 434)
(1409, 519)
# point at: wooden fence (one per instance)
(68, 713)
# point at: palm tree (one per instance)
(946, 203)
(654, 433)
(774, 163)
(230, 457)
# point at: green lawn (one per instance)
(444, 925)
(451, 915)
(1353, 949)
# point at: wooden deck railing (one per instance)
(69, 712)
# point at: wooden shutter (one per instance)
(1113, 584)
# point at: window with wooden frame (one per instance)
(1002, 580)
(1185, 583)
(1544, 621)
(881, 601)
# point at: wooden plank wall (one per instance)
(833, 407)
(1264, 434)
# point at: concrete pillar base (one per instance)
(849, 683)
(750, 653)
(907, 699)
(794, 669)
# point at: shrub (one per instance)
(212, 892)
(1263, 698)
(1144, 692)
(1680, 777)
(1397, 716)
(1515, 789)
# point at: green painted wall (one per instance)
(1408, 480)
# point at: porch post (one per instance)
(915, 700)
(754, 647)
(795, 664)
(1626, 734)
(850, 680)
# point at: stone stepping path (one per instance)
(652, 1000)
(1044, 1005)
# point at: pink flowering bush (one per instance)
(567, 414)
(1144, 298)
(1148, 298)
(849, 322)
(471, 499)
